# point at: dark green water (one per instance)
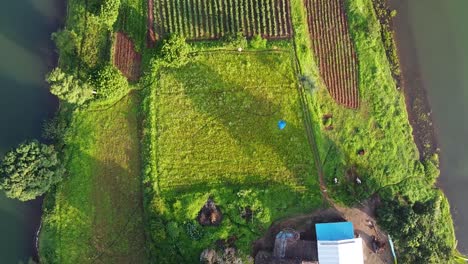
(26, 54)
(433, 43)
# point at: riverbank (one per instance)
(398, 39)
(405, 73)
(432, 57)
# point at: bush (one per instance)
(235, 40)
(175, 51)
(67, 42)
(109, 12)
(109, 82)
(257, 42)
(30, 170)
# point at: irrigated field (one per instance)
(334, 50)
(211, 19)
(126, 59)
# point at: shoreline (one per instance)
(52, 61)
(425, 132)
(405, 72)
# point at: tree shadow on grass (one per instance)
(251, 120)
(98, 212)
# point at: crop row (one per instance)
(334, 49)
(211, 19)
(126, 59)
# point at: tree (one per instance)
(30, 170)
(109, 82)
(175, 51)
(66, 42)
(68, 88)
(422, 231)
(109, 12)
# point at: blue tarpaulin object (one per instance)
(281, 124)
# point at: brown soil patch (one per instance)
(126, 59)
(335, 51)
(361, 217)
(151, 35)
(209, 215)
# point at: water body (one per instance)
(433, 41)
(26, 55)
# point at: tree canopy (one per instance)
(175, 51)
(109, 82)
(68, 88)
(30, 170)
(422, 231)
(109, 12)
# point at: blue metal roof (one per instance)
(334, 231)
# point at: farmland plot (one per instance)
(216, 123)
(334, 50)
(125, 58)
(211, 19)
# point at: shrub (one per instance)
(175, 51)
(109, 12)
(257, 42)
(109, 82)
(235, 40)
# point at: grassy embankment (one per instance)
(215, 135)
(96, 214)
(390, 166)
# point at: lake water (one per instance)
(26, 55)
(434, 35)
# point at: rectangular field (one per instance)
(96, 215)
(211, 19)
(334, 49)
(217, 123)
(125, 58)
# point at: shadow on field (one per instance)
(98, 219)
(255, 119)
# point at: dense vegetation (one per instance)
(30, 170)
(215, 18)
(373, 143)
(206, 128)
(421, 226)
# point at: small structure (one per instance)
(281, 124)
(290, 247)
(336, 244)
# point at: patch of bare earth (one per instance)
(126, 59)
(361, 217)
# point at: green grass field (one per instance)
(216, 135)
(96, 215)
